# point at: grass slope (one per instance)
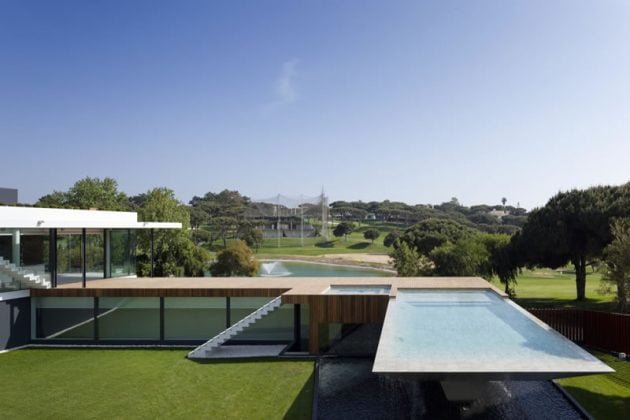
(544, 288)
(603, 396)
(91, 383)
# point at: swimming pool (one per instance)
(439, 334)
(366, 289)
(306, 269)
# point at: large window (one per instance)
(69, 265)
(27, 248)
(140, 319)
(123, 252)
(69, 257)
(67, 318)
(277, 326)
(193, 318)
(129, 318)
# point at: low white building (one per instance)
(43, 247)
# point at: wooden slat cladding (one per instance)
(158, 292)
(348, 309)
(568, 322)
(603, 330)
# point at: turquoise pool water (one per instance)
(303, 269)
(456, 331)
(358, 290)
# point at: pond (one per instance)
(306, 269)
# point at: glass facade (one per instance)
(128, 318)
(194, 318)
(69, 264)
(122, 252)
(28, 249)
(67, 318)
(140, 319)
(277, 326)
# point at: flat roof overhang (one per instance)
(43, 224)
(47, 218)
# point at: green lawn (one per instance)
(355, 243)
(95, 383)
(550, 288)
(603, 396)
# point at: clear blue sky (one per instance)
(416, 101)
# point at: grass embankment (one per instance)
(603, 396)
(545, 288)
(91, 383)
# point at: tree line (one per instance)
(581, 227)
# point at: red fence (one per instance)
(603, 330)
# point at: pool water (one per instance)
(440, 331)
(366, 289)
(304, 269)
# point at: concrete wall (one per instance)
(8, 196)
(15, 322)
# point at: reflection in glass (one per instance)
(277, 326)
(123, 252)
(193, 318)
(129, 318)
(63, 318)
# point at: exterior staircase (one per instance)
(206, 348)
(21, 278)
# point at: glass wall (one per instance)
(6, 244)
(135, 319)
(69, 262)
(122, 252)
(194, 318)
(69, 265)
(95, 254)
(26, 248)
(67, 318)
(35, 251)
(277, 326)
(129, 318)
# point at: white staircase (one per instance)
(206, 348)
(23, 278)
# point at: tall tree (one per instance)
(466, 257)
(573, 227)
(87, 193)
(175, 253)
(408, 262)
(222, 212)
(390, 238)
(343, 229)
(502, 260)
(371, 234)
(431, 233)
(617, 258)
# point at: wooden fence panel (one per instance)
(603, 330)
(608, 331)
(568, 322)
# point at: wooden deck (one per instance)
(251, 286)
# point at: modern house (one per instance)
(44, 248)
(79, 287)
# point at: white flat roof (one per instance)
(46, 218)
